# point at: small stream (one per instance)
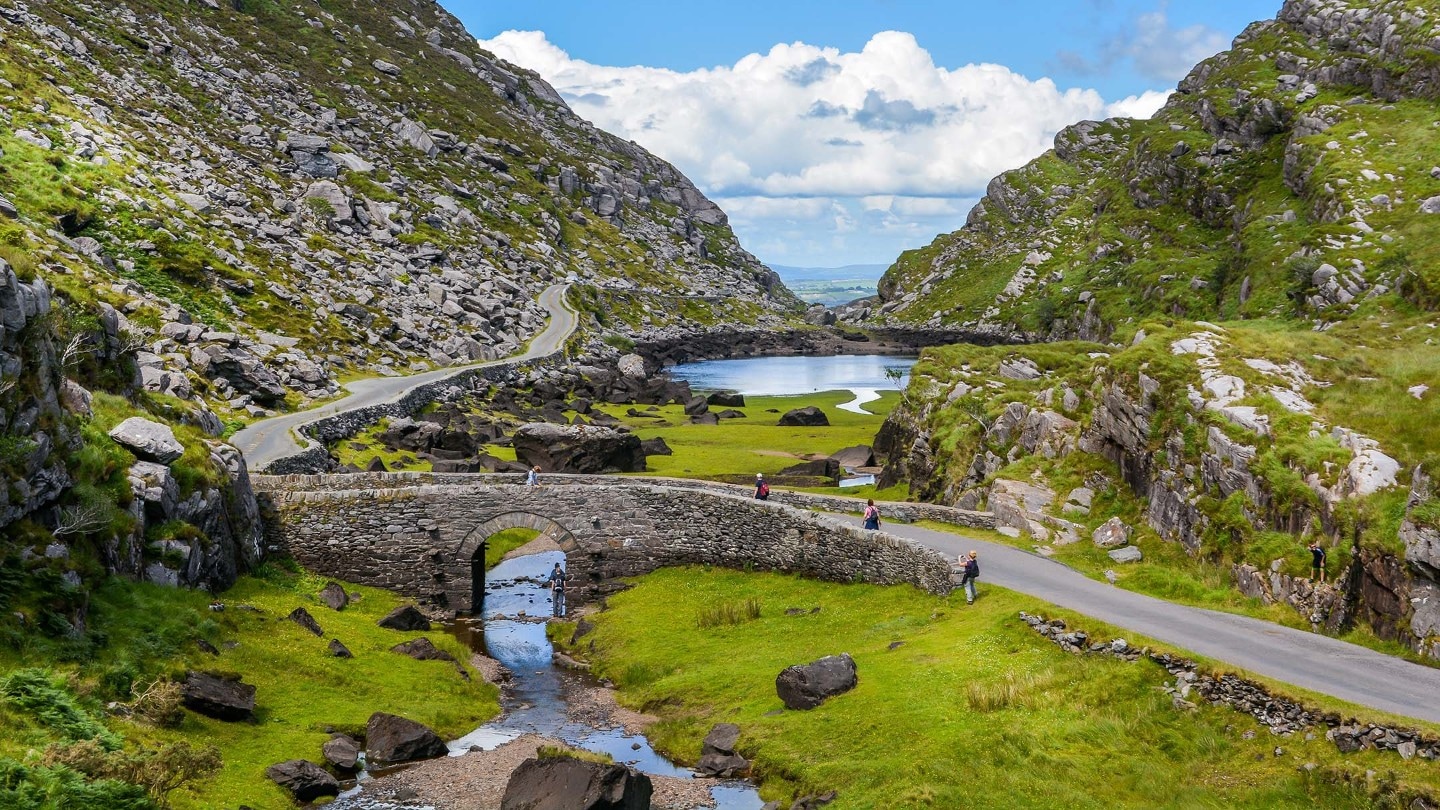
(511, 629)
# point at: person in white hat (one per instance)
(762, 489)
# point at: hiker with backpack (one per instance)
(556, 581)
(762, 489)
(872, 515)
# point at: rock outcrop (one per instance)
(392, 739)
(220, 697)
(805, 686)
(578, 449)
(565, 783)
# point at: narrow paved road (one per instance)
(269, 439)
(1308, 660)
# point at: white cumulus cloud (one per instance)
(808, 136)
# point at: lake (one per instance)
(861, 374)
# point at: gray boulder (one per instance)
(565, 783)
(333, 596)
(808, 416)
(339, 650)
(1128, 554)
(223, 698)
(342, 751)
(656, 447)
(422, 649)
(853, 458)
(578, 448)
(806, 686)
(1113, 533)
(717, 753)
(148, 440)
(726, 399)
(406, 618)
(390, 738)
(304, 779)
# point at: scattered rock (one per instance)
(1113, 533)
(1128, 554)
(342, 751)
(302, 617)
(422, 649)
(151, 441)
(717, 753)
(726, 399)
(304, 779)
(578, 448)
(407, 618)
(339, 650)
(391, 739)
(806, 686)
(217, 696)
(333, 596)
(809, 416)
(853, 458)
(566, 783)
(656, 447)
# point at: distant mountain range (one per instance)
(831, 286)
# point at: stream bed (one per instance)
(511, 629)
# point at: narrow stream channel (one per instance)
(511, 629)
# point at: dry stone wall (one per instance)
(417, 534)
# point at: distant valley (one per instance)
(831, 286)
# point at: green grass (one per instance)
(972, 710)
(501, 543)
(301, 690)
(743, 447)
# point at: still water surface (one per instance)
(863, 375)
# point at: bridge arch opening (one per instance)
(507, 530)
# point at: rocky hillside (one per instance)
(275, 195)
(1250, 280)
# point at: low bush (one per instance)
(728, 613)
(38, 692)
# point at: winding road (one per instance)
(1311, 661)
(270, 439)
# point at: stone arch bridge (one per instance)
(423, 534)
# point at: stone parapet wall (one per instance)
(899, 511)
(417, 534)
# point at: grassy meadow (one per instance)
(956, 706)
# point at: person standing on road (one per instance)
(532, 478)
(556, 581)
(970, 572)
(1317, 562)
(872, 514)
(762, 489)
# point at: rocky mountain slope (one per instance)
(1289, 192)
(210, 211)
(276, 195)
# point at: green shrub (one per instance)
(159, 771)
(620, 342)
(42, 788)
(37, 692)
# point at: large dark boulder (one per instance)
(656, 447)
(303, 778)
(696, 406)
(578, 448)
(563, 783)
(218, 696)
(405, 617)
(342, 751)
(717, 754)
(390, 738)
(726, 399)
(333, 596)
(806, 686)
(853, 458)
(820, 468)
(808, 416)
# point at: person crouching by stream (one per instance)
(970, 572)
(872, 515)
(556, 581)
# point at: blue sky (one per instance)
(844, 132)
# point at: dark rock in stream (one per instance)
(342, 751)
(304, 779)
(808, 685)
(563, 783)
(392, 739)
(717, 754)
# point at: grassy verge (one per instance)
(755, 443)
(969, 697)
(499, 544)
(302, 691)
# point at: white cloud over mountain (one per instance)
(824, 156)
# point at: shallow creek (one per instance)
(511, 629)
